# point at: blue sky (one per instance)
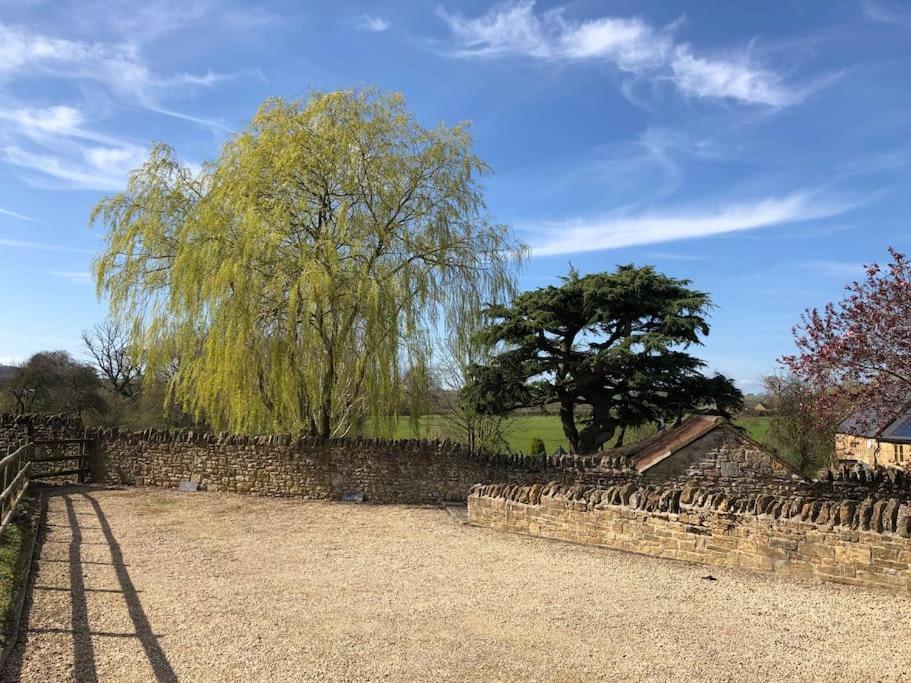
(761, 150)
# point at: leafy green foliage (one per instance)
(53, 382)
(796, 430)
(614, 342)
(302, 274)
(549, 429)
(536, 446)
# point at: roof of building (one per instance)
(647, 453)
(872, 422)
(668, 441)
(899, 429)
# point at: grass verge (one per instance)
(16, 546)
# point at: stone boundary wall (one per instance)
(864, 543)
(861, 477)
(426, 471)
(375, 470)
(16, 430)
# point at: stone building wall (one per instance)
(873, 452)
(724, 455)
(375, 470)
(859, 448)
(866, 543)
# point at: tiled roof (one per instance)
(669, 440)
(866, 421)
(647, 453)
(872, 421)
(899, 429)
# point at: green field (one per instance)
(756, 427)
(522, 429)
(519, 431)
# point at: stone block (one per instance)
(783, 543)
(853, 554)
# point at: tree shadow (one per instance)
(83, 649)
(143, 629)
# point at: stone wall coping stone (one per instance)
(876, 514)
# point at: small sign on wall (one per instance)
(188, 486)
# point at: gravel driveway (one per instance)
(139, 584)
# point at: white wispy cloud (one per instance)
(662, 146)
(841, 269)
(630, 44)
(118, 67)
(45, 123)
(212, 124)
(614, 231)
(736, 78)
(57, 147)
(88, 175)
(21, 217)
(150, 19)
(58, 150)
(374, 24)
(40, 246)
(76, 277)
(674, 256)
(885, 12)
(653, 162)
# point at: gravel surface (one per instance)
(140, 584)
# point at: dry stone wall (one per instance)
(16, 430)
(375, 470)
(861, 542)
(858, 477)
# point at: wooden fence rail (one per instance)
(81, 468)
(14, 473)
(17, 471)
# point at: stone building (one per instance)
(705, 448)
(876, 437)
(763, 408)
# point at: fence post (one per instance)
(3, 503)
(30, 455)
(80, 477)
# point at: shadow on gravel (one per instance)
(83, 650)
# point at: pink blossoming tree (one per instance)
(857, 353)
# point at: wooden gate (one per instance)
(80, 459)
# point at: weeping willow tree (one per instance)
(298, 277)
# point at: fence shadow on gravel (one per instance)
(80, 619)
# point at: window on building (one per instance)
(900, 452)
